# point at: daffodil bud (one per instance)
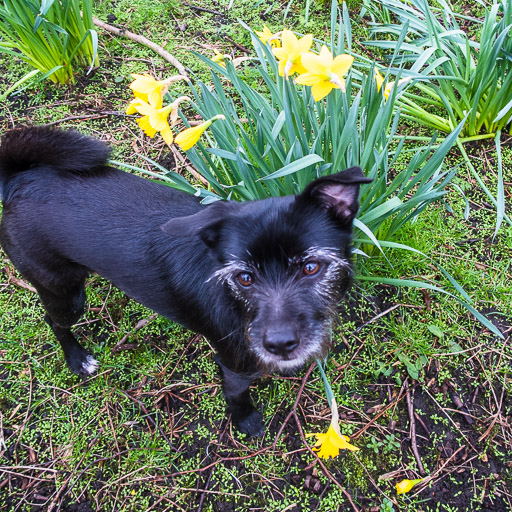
(406, 485)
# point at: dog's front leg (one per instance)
(236, 392)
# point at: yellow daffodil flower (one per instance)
(379, 79)
(146, 88)
(266, 36)
(323, 72)
(330, 443)
(389, 86)
(406, 485)
(219, 58)
(289, 55)
(154, 119)
(189, 137)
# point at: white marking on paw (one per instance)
(90, 365)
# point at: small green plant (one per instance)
(474, 78)
(50, 35)
(374, 444)
(472, 84)
(387, 506)
(389, 445)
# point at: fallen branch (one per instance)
(144, 41)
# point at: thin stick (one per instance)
(373, 420)
(18, 282)
(150, 419)
(294, 408)
(412, 431)
(142, 323)
(144, 41)
(202, 9)
(380, 315)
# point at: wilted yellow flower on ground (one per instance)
(266, 36)
(330, 443)
(289, 55)
(146, 88)
(189, 137)
(406, 485)
(323, 72)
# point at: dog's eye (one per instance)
(245, 279)
(311, 268)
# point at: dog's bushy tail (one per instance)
(40, 146)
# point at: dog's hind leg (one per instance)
(62, 311)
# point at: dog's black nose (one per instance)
(281, 341)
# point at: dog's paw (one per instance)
(84, 366)
(89, 366)
(252, 424)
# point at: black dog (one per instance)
(261, 280)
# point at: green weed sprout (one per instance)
(51, 36)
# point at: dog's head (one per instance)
(285, 261)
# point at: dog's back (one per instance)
(44, 148)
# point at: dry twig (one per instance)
(144, 41)
(142, 323)
(412, 424)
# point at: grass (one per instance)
(149, 432)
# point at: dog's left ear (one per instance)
(205, 223)
(338, 193)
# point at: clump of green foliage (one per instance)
(52, 36)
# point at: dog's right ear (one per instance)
(338, 193)
(206, 223)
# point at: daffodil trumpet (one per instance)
(190, 136)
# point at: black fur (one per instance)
(261, 280)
